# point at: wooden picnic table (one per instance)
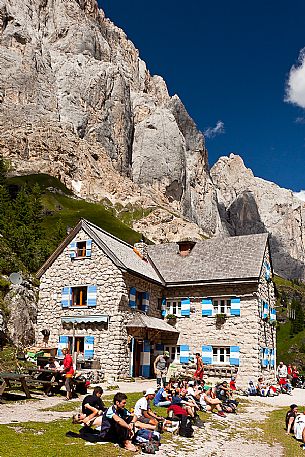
(16, 378)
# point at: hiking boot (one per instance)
(221, 414)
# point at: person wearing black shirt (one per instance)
(290, 418)
(93, 405)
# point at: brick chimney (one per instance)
(141, 249)
(185, 247)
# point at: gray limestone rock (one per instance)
(252, 205)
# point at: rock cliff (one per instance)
(77, 102)
(252, 205)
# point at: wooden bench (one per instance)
(14, 378)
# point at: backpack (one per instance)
(185, 427)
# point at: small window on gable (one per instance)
(79, 296)
(81, 249)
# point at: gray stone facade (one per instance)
(114, 340)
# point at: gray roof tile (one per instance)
(237, 257)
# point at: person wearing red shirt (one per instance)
(68, 371)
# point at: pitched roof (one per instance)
(121, 253)
(216, 259)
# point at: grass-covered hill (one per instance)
(61, 207)
(290, 332)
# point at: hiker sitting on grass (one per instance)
(290, 418)
(143, 411)
(162, 397)
(208, 403)
(179, 399)
(118, 424)
(299, 428)
(93, 405)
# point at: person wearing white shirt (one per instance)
(281, 371)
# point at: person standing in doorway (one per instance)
(161, 367)
(68, 372)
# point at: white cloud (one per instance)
(300, 195)
(295, 86)
(211, 132)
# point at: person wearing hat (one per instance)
(142, 409)
(290, 418)
(161, 365)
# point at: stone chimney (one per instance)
(141, 249)
(185, 247)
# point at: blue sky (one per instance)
(230, 61)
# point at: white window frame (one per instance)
(217, 353)
(222, 308)
(173, 307)
(174, 352)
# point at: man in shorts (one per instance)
(143, 411)
(198, 375)
(161, 367)
(68, 372)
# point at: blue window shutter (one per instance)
(273, 314)
(145, 359)
(63, 343)
(184, 353)
(185, 307)
(272, 361)
(91, 296)
(264, 357)
(89, 347)
(234, 355)
(72, 249)
(132, 298)
(207, 355)
(65, 297)
(163, 307)
(207, 307)
(235, 306)
(145, 302)
(265, 310)
(88, 248)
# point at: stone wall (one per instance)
(242, 331)
(110, 342)
(266, 332)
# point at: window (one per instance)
(221, 356)
(81, 249)
(174, 353)
(222, 306)
(79, 296)
(173, 307)
(139, 300)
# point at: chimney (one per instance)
(141, 250)
(185, 247)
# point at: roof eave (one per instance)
(213, 282)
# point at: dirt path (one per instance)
(226, 437)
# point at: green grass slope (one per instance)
(61, 207)
(290, 348)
